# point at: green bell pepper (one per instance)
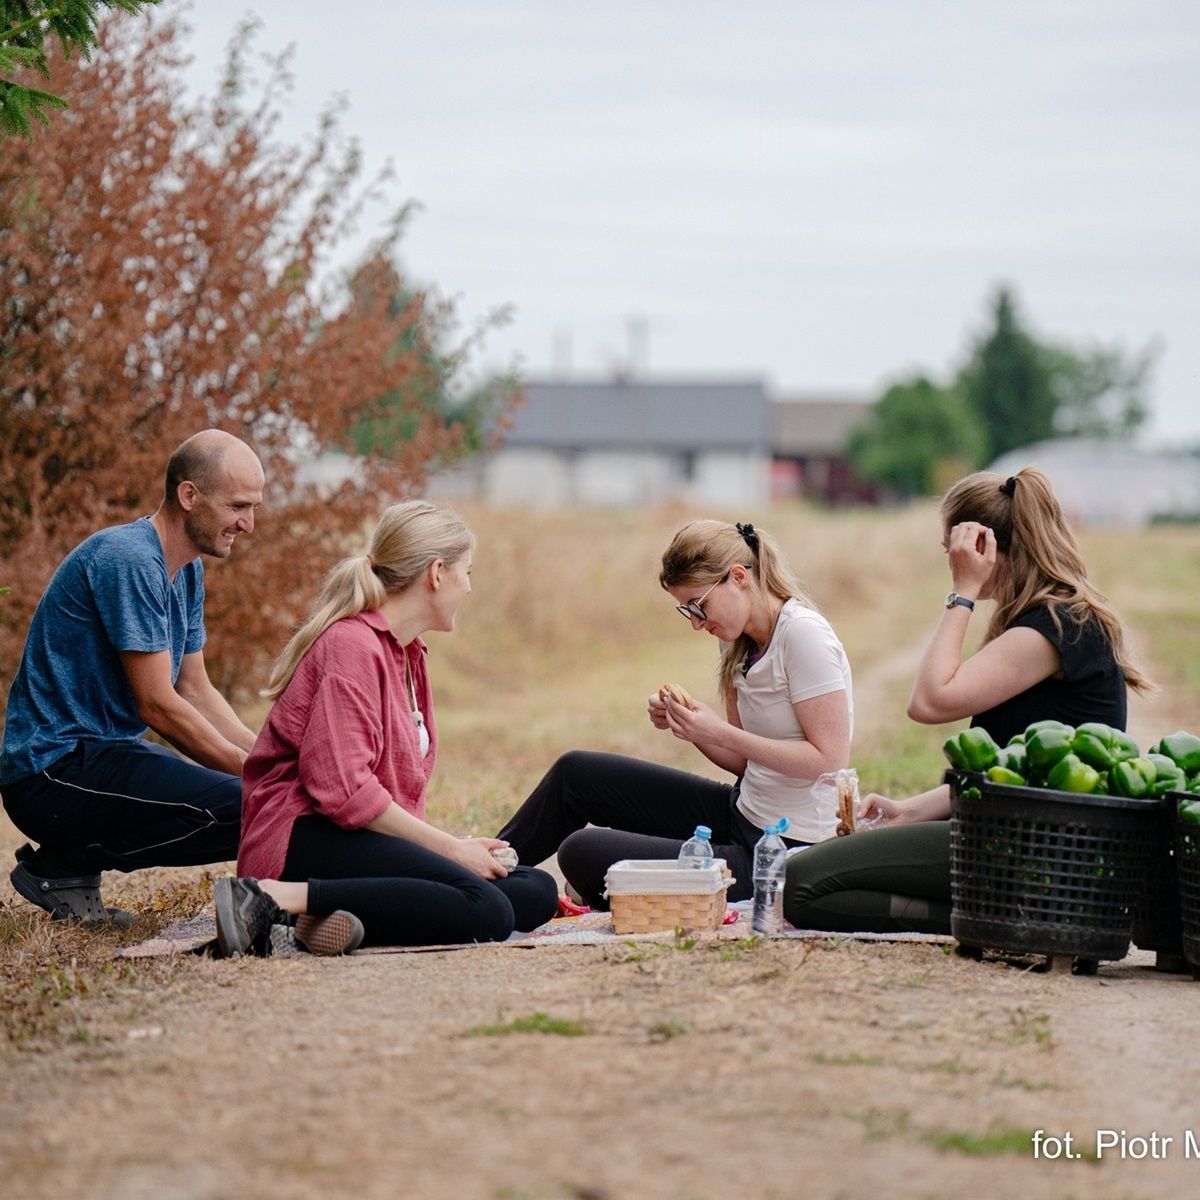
(1005, 776)
(971, 750)
(1017, 739)
(1101, 746)
(1045, 747)
(1167, 776)
(1072, 774)
(1182, 748)
(1133, 778)
(1013, 758)
(1030, 730)
(1189, 812)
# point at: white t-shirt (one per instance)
(803, 659)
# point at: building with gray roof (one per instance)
(628, 442)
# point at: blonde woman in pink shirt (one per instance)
(334, 837)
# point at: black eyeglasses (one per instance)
(693, 608)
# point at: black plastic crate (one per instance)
(1036, 871)
(1187, 866)
(1157, 920)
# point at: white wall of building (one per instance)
(729, 479)
(549, 478)
(533, 477)
(1111, 483)
(621, 478)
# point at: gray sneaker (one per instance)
(340, 932)
(245, 914)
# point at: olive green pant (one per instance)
(890, 880)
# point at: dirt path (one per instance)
(779, 1071)
(772, 1071)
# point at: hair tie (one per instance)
(372, 564)
(1009, 486)
(748, 536)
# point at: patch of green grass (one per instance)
(538, 1022)
(683, 941)
(742, 947)
(948, 1066)
(1030, 1028)
(821, 1058)
(630, 951)
(664, 1031)
(981, 1145)
(879, 1124)
(1005, 1080)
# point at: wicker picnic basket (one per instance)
(652, 894)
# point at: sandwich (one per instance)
(672, 691)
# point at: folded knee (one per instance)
(574, 856)
(573, 764)
(495, 919)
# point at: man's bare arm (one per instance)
(173, 717)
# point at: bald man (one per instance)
(116, 646)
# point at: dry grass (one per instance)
(566, 635)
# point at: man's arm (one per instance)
(173, 717)
(196, 688)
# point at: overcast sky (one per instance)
(820, 193)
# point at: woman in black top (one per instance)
(1053, 649)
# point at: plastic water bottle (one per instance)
(697, 850)
(770, 868)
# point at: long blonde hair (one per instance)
(408, 538)
(704, 552)
(1044, 563)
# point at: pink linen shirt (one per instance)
(341, 741)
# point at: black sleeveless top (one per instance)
(1092, 687)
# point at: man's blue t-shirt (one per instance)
(111, 593)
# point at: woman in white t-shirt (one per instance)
(788, 717)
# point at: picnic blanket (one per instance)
(198, 935)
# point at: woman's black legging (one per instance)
(406, 895)
(645, 811)
(890, 880)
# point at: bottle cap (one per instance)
(702, 831)
(779, 826)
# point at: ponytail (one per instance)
(704, 552)
(408, 538)
(1044, 565)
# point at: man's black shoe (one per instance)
(70, 898)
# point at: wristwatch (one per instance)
(954, 598)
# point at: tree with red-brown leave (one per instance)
(165, 268)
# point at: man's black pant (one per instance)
(118, 806)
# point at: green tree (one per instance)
(476, 412)
(24, 27)
(1101, 392)
(1008, 385)
(1023, 390)
(919, 438)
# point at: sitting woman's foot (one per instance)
(245, 914)
(340, 932)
